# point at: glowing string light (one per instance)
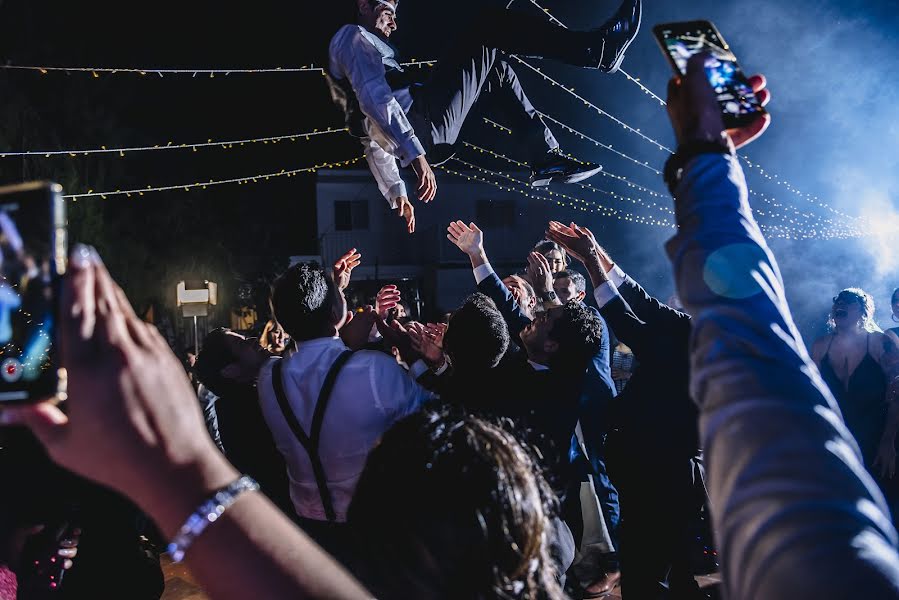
(657, 98)
(596, 142)
(204, 184)
(548, 14)
(170, 146)
(571, 91)
(95, 71)
(607, 211)
(650, 205)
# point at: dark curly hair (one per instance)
(578, 332)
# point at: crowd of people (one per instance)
(551, 439)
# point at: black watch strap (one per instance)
(674, 166)
(548, 296)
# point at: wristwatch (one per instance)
(674, 166)
(548, 296)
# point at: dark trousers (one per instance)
(660, 505)
(472, 68)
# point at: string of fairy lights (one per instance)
(186, 187)
(793, 223)
(768, 176)
(225, 144)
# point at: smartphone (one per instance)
(33, 242)
(680, 41)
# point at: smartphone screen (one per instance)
(680, 41)
(32, 260)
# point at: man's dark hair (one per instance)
(477, 336)
(578, 331)
(580, 284)
(473, 516)
(214, 357)
(302, 301)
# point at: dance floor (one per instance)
(179, 585)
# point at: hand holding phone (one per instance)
(32, 260)
(734, 92)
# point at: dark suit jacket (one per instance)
(658, 416)
(593, 390)
(542, 405)
(601, 385)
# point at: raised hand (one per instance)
(578, 241)
(130, 402)
(343, 268)
(398, 336)
(388, 297)
(468, 238)
(539, 273)
(356, 331)
(425, 345)
(436, 331)
(696, 115)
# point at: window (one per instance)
(350, 215)
(495, 213)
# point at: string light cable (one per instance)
(790, 229)
(607, 211)
(635, 80)
(170, 146)
(648, 204)
(161, 72)
(204, 184)
(582, 207)
(571, 91)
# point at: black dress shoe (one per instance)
(558, 168)
(615, 36)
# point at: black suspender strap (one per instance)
(310, 442)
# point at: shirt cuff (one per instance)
(442, 369)
(409, 150)
(605, 293)
(398, 189)
(617, 276)
(418, 368)
(483, 272)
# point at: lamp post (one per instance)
(195, 303)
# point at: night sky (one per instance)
(830, 66)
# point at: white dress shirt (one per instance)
(359, 56)
(370, 394)
(606, 292)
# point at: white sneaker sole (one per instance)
(576, 178)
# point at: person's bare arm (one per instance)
(888, 357)
(133, 424)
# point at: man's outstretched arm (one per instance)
(470, 240)
(795, 511)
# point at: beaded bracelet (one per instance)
(208, 513)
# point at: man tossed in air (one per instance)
(417, 124)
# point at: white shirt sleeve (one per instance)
(617, 276)
(605, 293)
(483, 272)
(355, 58)
(387, 174)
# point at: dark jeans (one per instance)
(472, 67)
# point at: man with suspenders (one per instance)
(326, 405)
